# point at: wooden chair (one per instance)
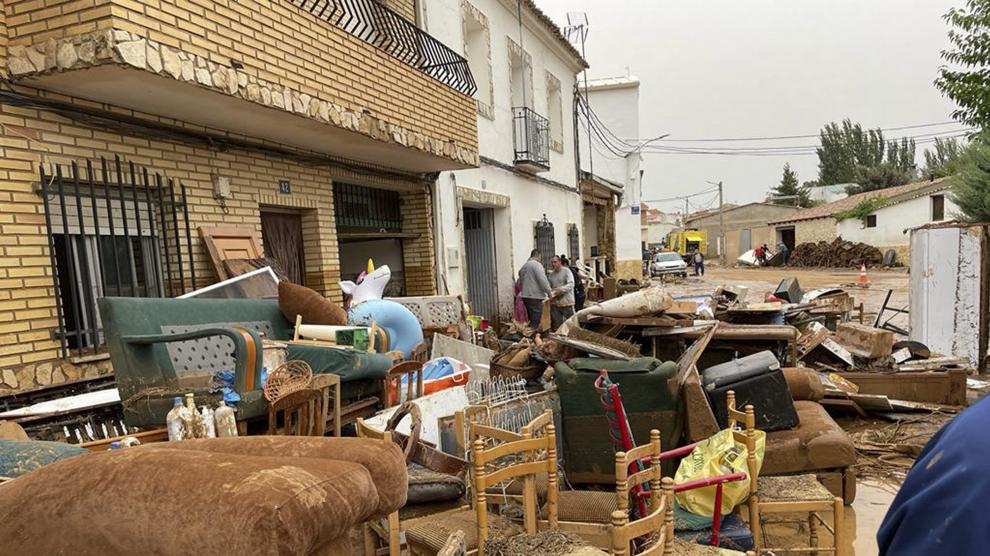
(788, 494)
(412, 371)
(299, 413)
(590, 514)
(325, 382)
(515, 459)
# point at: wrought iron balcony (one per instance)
(374, 23)
(531, 137)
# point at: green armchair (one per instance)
(162, 348)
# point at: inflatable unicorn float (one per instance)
(367, 306)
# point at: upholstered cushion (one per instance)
(384, 461)
(124, 501)
(294, 299)
(816, 443)
(804, 384)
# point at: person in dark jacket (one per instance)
(941, 507)
(579, 293)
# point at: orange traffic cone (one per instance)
(863, 280)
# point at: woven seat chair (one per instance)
(516, 459)
(790, 494)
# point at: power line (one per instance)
(682, 197)
(782, 137)
(804, 151)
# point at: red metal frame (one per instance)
(625, 442)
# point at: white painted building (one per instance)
(526, 191)
(885, 228)
(614, 102)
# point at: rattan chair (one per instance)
(788, 494)
(520, 459)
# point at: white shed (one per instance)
(950, 289)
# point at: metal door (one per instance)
(745, 239)
(479, 253)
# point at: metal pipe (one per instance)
(113, 235)
(161, 214)
(89, 304)
(178, 242)
(63, 346)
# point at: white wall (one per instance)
(618, 109)
(628, 232)
(893, 220)
(527, 197)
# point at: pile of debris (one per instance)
(838, 254)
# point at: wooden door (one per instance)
(224, 243)
(281, 232)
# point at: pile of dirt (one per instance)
(838, 254)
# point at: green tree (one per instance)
(942, 159)
(789, 187)
(966, 79)
(971, 183)
(851, 154)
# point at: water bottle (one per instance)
(208, 422)
(226, 425)
(175, 423)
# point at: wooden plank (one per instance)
(146, 437)
(589, 347)
(945, 387)
(673, 330)
(844, 404)
(639, 321)
(683, 308)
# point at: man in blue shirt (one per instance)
(943, 505)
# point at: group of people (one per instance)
(763, 254)
(563, 286)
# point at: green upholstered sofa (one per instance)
(162, 348)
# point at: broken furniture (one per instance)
(299, 412)
(409, 373)
(224, 243)
(18, 457)
(816, 445)
(650, 396)
(520, 459)
(658, 523)
(162, 348)
(756, 379)
(790, 494)
(301, 495)
(437, 314)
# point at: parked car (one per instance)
(668, 263)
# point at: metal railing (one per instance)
(531, 137)
(374, 23)
(114, 229)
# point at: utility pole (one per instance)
(721, 224)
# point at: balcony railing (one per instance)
(531, 136)
(372, 22)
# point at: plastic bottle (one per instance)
(208, 423)
(115, 445)
(192, 420)
(226, 424)
(175, 422)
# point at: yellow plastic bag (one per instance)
(718, 455)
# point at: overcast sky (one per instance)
(759, 68)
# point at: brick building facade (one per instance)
(250, 93)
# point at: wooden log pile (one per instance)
(837, 254)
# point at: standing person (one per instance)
(579, 294)
(699, 263)
(766, 254)
(758, 253)
(562, 295)
(534, 288)
(785, 253)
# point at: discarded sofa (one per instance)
(816, 445)
(249, 495)
(18, 457)
(162, 348)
